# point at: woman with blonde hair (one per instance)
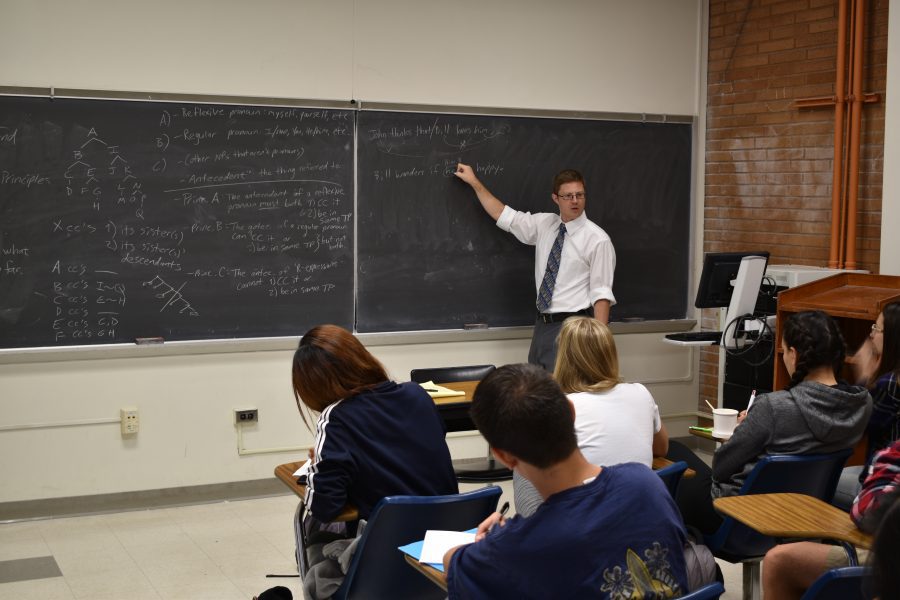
(615, 422)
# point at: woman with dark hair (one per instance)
(815, 414)
(374, 437)
(878, 366)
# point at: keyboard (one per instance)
(696, 336)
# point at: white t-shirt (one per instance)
(616, 426)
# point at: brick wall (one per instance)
(768, 163)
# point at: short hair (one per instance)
(564, 177)
(818, 342)
(890, 339)
(330, 364)
(587, 360)
(520, 409)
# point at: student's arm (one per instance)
(492, 206)
(660, 435)
(661, 441)
(885, 405)
(331, 473)
(448, 556)
(747, 442)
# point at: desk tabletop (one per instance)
(707, 435)
(439, 578)
(285, 474)
(793, 516)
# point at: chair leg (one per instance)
(751, 580)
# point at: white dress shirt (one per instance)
(588, 259)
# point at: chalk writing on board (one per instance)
(176, 221)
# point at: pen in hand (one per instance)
(488, 524)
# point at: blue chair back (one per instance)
(811, 474)
(710, 591)
(671, 476)
(379, 570)
(847, 583)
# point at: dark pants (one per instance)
(694, 499)
(543, 344)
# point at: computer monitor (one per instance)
(732, 279)
(720, 271)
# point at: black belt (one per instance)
(560, 317)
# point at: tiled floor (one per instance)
(216, 551)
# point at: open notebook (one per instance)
(431, 550)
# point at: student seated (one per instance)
(374, 437)
(877, 365)
(615, 422)
(602, 532)
(789, 569)
(815, 414)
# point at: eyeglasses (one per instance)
(570, 197)
(876, 328)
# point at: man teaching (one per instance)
(574, 258)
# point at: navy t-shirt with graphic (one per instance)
(619, 536)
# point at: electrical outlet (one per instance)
(246, 415)
(129, 420)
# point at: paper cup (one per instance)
(724, 422)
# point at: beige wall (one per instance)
(639, 56)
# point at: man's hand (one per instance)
(486, 525)
(491, 205)
(466, 173)
(741, 416)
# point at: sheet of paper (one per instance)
(437, 542)
(304, 468)
(438, 391)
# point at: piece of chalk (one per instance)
(475, 326)
(149, 340)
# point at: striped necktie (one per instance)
(545, 293)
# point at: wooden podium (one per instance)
(853, 299)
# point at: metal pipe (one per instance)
(837, 166)
(856, 100)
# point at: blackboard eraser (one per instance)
(632, 319)
(468, 326)
(148, 340)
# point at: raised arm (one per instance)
(489, 202)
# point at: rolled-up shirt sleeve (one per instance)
(603, 268)
(524, 225)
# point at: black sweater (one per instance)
(385, 442)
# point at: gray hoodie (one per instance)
(809, 418)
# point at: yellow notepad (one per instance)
(438, 391)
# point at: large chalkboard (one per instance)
(124, 220)
(429, 257)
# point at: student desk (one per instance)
(439, 578)
(285, 473)
(795, 516)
